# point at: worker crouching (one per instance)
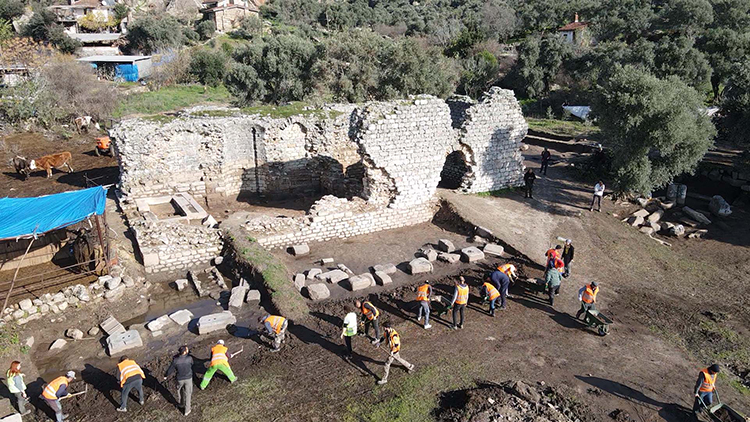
(275, 328)
(54, 391)
(490, 293)
(131, 376)
(394, 342)
(219, 362)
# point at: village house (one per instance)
(69, 15)
(576, 32)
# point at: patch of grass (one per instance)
(495, 193)
(250, 397)
(295, 108)
(562, 127)
(171, 98)
(740, 387)
(8, 339)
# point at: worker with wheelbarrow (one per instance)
(705, 388)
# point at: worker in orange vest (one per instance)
(705, 387)
(219, 362)
(394, 341)
(509, 270)
(131, 376)
(275, 328)
(55, 390)
(370, 316)
(552, 254)
(460, 299)
(587, 296)
(424, 293)
(489, 292)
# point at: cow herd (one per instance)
(24, 167)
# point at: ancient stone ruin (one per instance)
(376, 165)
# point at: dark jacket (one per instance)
(183, 364)
(500, 280)
(528, 178)
(568, 252)
(545, 155)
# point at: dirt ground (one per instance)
(675, 310)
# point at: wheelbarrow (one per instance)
(598, 320)
(533, 285)
(439, 305)
(721, 412)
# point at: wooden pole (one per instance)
(101, 242)
(18, 267)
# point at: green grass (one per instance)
(8, 339)
(251, 395)
(295, 108)
(740, 387)
(563, 127)
(171, 98)
(500, 192)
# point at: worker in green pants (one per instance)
(219, 362)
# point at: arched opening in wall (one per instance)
(454, 170)
(354, 179)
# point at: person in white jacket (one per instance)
(598, 194)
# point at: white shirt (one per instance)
(599, 189)
(350, 322)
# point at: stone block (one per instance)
(647, 230)
(483, 232)
(111, 326)
(695, 215)
(312, 272)
(253, 296)
(634, 221)
(655, 226)
(345, 269)
(93, 331)
(25, 304)
(641, 213)
(719, 206)
(382, 278)
(333, 276)
(450, 258)
(150, 259)
(113, 283)
(181, 317)
(159, 324)
(318, 291)
(359, 282)
(181, 284)
(655, 216)
(58, 344)
(445, 245)
(493, 249)
(420, 265)
(113, 295)
(678, 230)
(327, 261)
(237, 297)
(386, 268)
(428, 253)
(300, 250)
(472, 254)
(122, 342)
(16, 417)
(74, 333)
(215, 322)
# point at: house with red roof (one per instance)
(576, 32)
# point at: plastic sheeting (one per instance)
(27, 217)
(582, 112)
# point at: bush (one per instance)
(10, 9)
(206, 30)
(173, 69)
(43, 27)
(209, 67)
(121, 11)
(95, 22)
(150, 33)
(62, 41)
(250, 26)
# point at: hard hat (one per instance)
(220, 342)
(71, 374)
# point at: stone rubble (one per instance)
(420, 265)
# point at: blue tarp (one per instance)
(24, 217)
(128, 72)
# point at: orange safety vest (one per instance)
(463, 295)
(708, 383)
(589, 296)
(276, 322)
(491, 291)
(50, 392)
(219, 355)
(366, 312)
(423, 293)
(395, 341)
(559, 264)
(507, 269)
(551, 253)
(128, 368)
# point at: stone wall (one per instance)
(490, 136)
(169, 246)
(336, 218)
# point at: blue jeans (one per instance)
(424, 308)
(129, 385)
(492, 304)
(707, 397)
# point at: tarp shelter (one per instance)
(129, 68)
(582, 112)
(29, 217)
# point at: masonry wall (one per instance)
(167, 246)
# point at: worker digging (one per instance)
(370, 316)
(275, 329)
(219, 362)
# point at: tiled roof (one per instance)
(573, 26)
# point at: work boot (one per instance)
(375, 342)
(502, 308)
(427, 327)
(419, 319)
(454, 327)
(119, 409)
(187, 413)
(461, 326)
(275, 350)
(492, 313)
(382, 382)
(142, 402)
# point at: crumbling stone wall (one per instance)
(490, 136)
(169, 246)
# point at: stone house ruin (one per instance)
(378, 164)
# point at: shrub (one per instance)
(10, 9)
(150, 33)
(209, 67)
(96, 22)
(206, 30)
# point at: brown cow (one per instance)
(48, 162)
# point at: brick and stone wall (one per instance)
(170, 246)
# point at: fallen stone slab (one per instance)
(386, 268)
(253, 296)
(29, 343)
(113, 295)
(16, 417)
(450, 258)
(483, 232)
(58, 344)
(345, 269)
(698, 234)
(382, 278)
(111, 326)
(300, 250)
(312, 272)
(641, 213)
(318, 291)
(655, 226)
(25, 304)
(655, 216)
(327, 261)
(472, 254)
(359, 282)
(333, 276)
(181, 317)
(647, 230)
(197, 284)
(237, 297)
(428, 253)
(181, 284)
(74, 333)
(493, 249)
(719, 206)
(159, 324)
(445, 245)
(215, 322)
(113, 283)
(299, 281)
(122, 342)
(635, 221)
(420, 265)
(695, 215)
